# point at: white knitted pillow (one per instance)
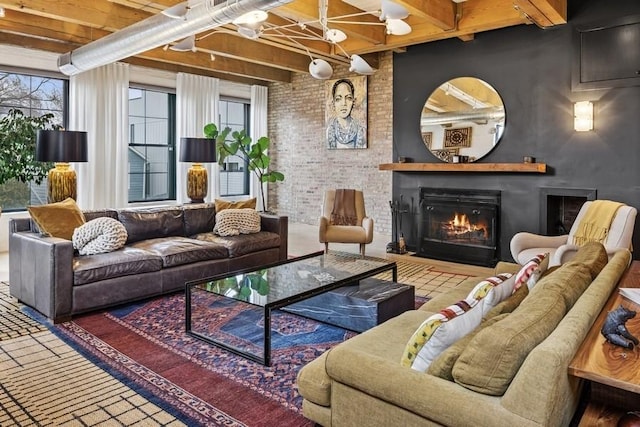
(231, 222)
(99, 236)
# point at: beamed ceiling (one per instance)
(61, 26)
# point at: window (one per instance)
(234, 174)
(34, 95)
(152, 161)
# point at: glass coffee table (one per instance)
(273, 287)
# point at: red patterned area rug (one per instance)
(145, 345)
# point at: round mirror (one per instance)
(462, 120)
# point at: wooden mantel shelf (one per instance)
(465, 167)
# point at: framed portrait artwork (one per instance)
(346, 113)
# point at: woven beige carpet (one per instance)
(44, 382)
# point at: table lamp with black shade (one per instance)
(198, 151)
(61, 147)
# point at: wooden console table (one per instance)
(613, 373)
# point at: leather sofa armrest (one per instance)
(41, 273)
(279, 225)
(19, 224)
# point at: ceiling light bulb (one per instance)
(212, 57)
(253, 19)
(320, 69)
(179, 11)
(1, 12)
(392, 10)
(249, 33)
(360, 66)
(397, 27)
(336, 36)
(185, 45)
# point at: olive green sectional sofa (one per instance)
(513, 372)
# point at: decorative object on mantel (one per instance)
(457, 137)
(446, 154)
(614, 329)
(529, 159)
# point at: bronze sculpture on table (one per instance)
(615, 330)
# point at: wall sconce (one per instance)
(583, 116)
(198, 151)
(61, 147)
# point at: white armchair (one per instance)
(525, 246)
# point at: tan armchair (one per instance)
(361, 233)
(525, 246)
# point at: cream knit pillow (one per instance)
(99, 236)
(232, 222)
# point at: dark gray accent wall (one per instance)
(531, 69)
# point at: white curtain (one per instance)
(197, 103)
(99, 104)
(258, 126)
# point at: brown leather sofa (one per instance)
(166, 247)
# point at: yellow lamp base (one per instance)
(62, 183)
(197, 183)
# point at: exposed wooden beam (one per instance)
(543, 13)
(221, 64)
(440, 13)
(240, 48)
(192, 70)
(95, 13)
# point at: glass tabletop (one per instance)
(297, 277)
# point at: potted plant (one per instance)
(17, 152)
(254, 151)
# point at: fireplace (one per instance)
(459, 225)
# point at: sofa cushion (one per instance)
(442, 366)
(594, 255)
(123, 262)
(439, 331)
(182, 250)
(532, 270)
(314, 383)
(57, 219)
(144, 224)
(493, 357)
(99, 236)
(239, 204)
(509, 304)
(232, 222)
(100, 213)
(199, 218)
(243, 244)
(492, 290)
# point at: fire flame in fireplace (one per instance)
(460, 225)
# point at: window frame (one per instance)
(171, 146)
(245, 165)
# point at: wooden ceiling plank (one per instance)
(232, 46)
(221, 64)
(440, 13)
(177, 68)
(544, 13)
(95, 13)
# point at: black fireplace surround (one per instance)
(459, 225)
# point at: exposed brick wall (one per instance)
(297, 132)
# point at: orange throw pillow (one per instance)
(240, 204)
(57, 219)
